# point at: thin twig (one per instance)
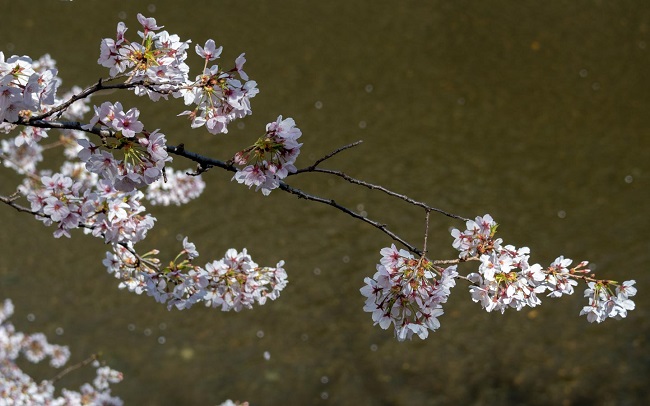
(328, 156)
(10, 201)
(426, 232)
(344, 209)
(454, 261)
(74, 367)
(385, 190)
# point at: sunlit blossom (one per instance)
(271, 158)
(407, 293)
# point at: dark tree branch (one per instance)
(10, 202)
(66, 125)
(328, 156)
(85, 93)
(203, 161)
(331, 202)
(206, 162)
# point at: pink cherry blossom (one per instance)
(210, 52)
(405, 292)
(178, 188)
(149, 24)
(127, 122)
(273, 156)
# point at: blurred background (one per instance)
(535, 113)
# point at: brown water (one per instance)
(537, 114)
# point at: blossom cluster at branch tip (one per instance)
(18, 388)
(231, 283)
(157, 66)
(271, 158)
(604, 303)
(217, 95)
(477, 239)
(505, 278)
(158, 60)
(407, 293)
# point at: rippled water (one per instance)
(537, 114)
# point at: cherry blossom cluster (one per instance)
(177, 188)
(23, 153)
(217, 95)
(506, 279)
(271, 158)
(26, 87)
(477, 239)
(157, 61)
(236, 282)
(404, 291)
(100, 209)
(145, 153)
(231, 283)
(157, 66)
(18, 388)
(407, 293)
(604, 303)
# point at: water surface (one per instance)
(534, 113)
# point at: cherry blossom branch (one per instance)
(136, 79)
(206, 163)
(406, 291)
